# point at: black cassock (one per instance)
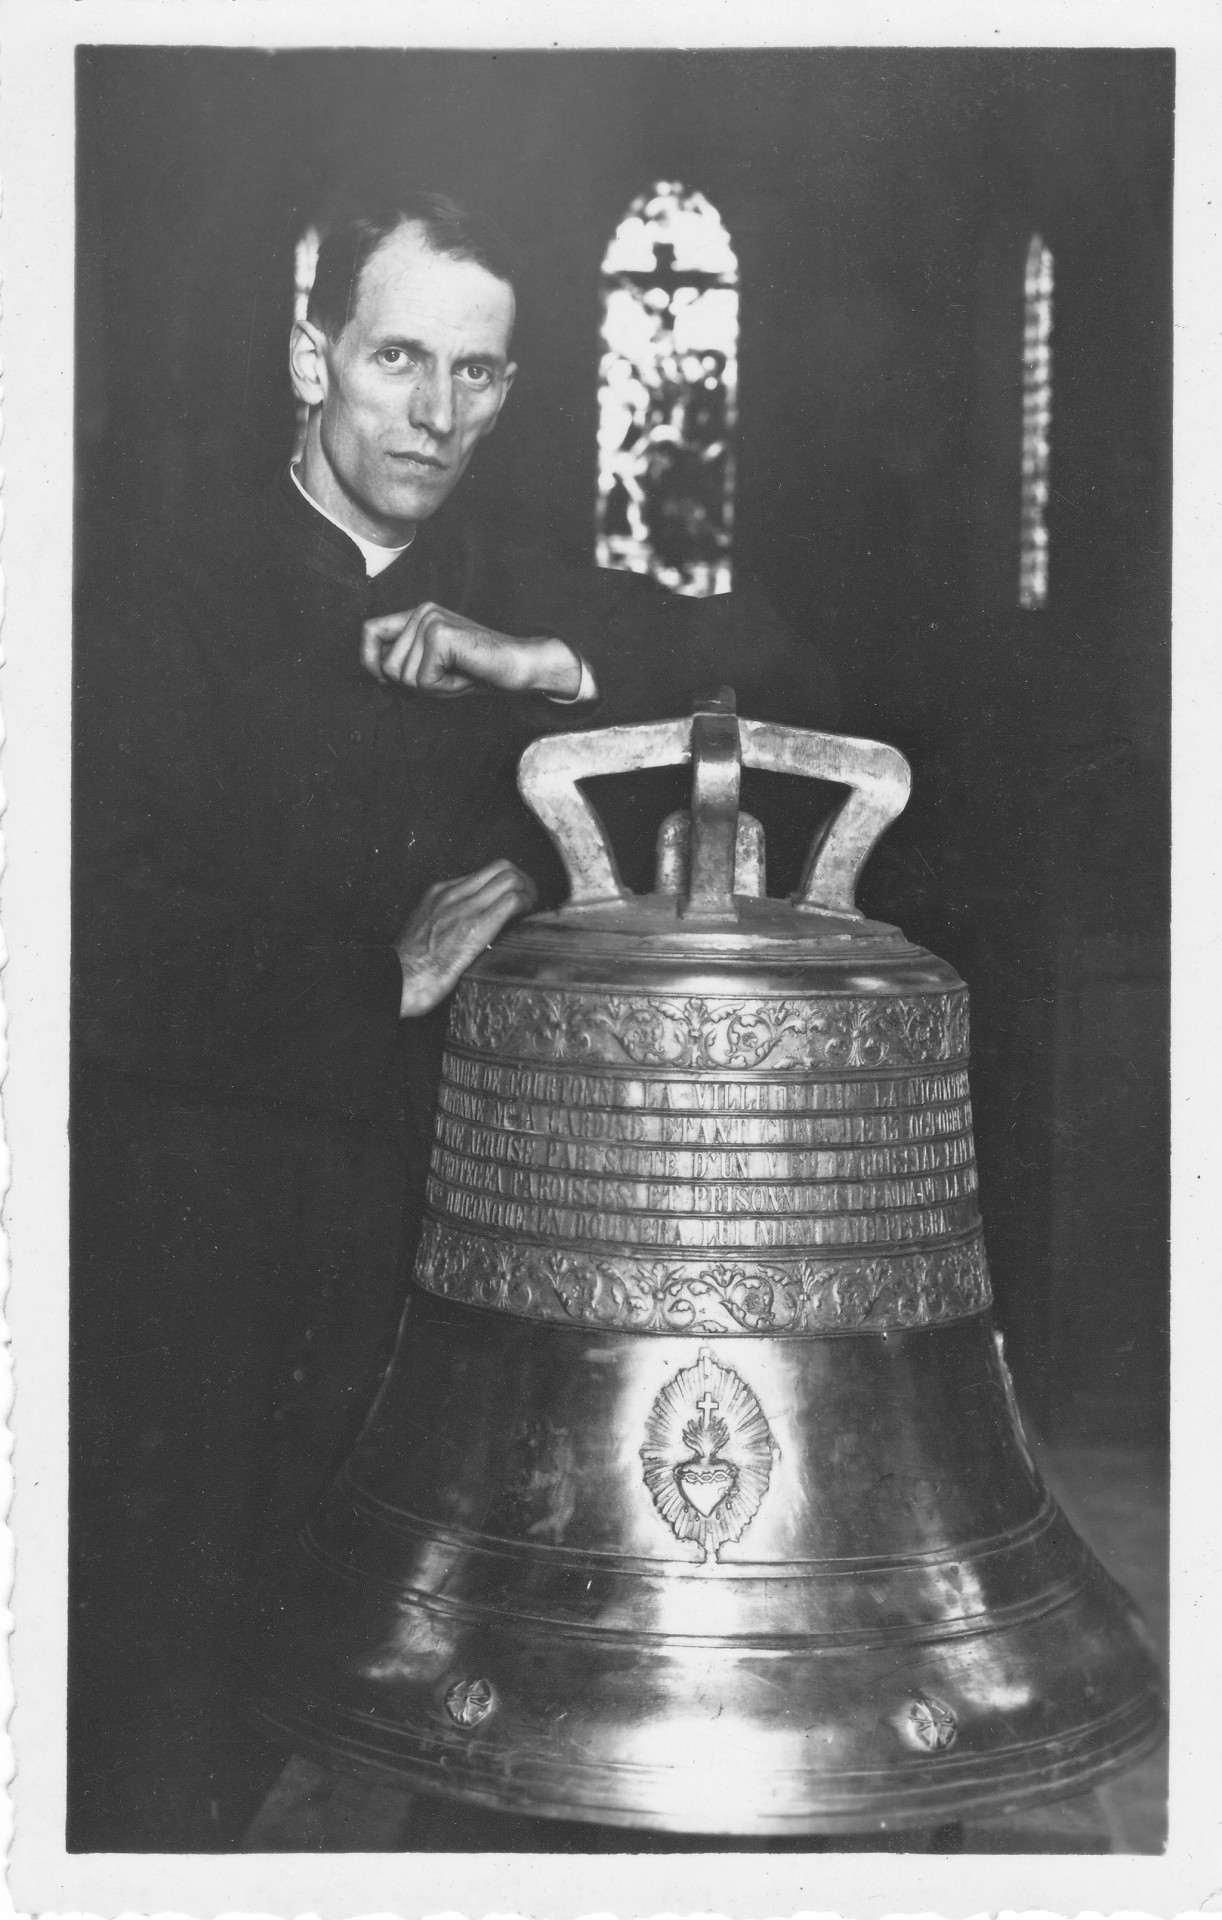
(254, 818)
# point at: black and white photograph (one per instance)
(612, 1220)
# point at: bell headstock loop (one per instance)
(716, 775)
(718, 744)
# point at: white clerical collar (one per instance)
(376, 558)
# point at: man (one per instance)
(296, 826)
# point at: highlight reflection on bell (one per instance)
(696, 1497)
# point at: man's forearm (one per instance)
(432, 651)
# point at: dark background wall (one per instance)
(881, 203)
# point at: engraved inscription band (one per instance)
(712, 1094)
(574, 1117)
(703, 1230)
(676, 1162)
(705, 1130)
(455, 1173)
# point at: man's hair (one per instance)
(357, 233)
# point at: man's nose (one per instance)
(432, 403)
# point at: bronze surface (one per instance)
(697, 1497)
(497, 1524)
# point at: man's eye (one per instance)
(478, 374)
(391, 356)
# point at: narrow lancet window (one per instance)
(304, 264)
(668, 386)
(1037, 424)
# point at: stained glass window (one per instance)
(668, 385)
(1037, 424)
(304, 263)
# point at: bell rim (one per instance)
(956, 1785)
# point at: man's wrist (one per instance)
(558, 670)
(420, 993)
(587, 688)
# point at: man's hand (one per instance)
(450, 928)
(445, 653)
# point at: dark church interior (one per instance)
(881, 204)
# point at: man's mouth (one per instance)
(425, 462)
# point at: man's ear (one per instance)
(308, 366)
(506, 382)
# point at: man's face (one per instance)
(410, 388)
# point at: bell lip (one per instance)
(1138, 1730)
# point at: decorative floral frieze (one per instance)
(694, 1296)
(528, 1023)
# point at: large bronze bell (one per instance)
(696, 1497)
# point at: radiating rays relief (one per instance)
(668, 388)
